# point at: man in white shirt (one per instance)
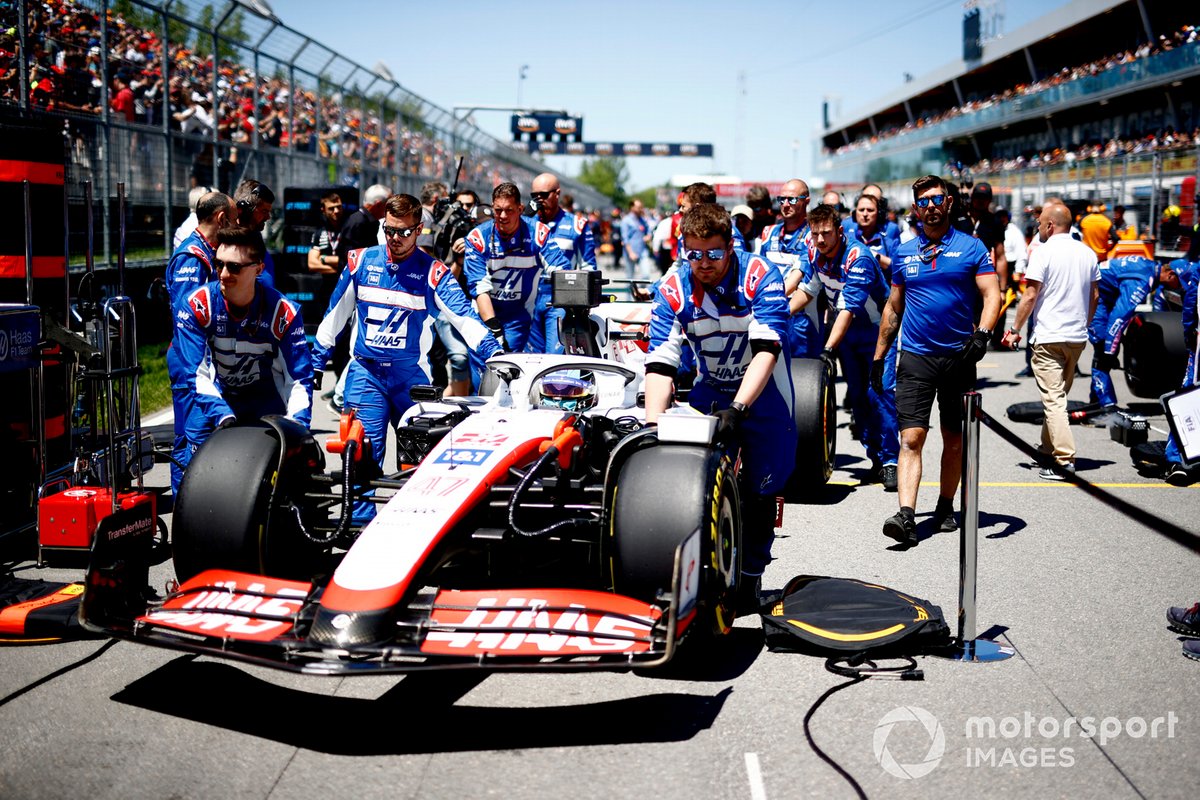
(189, 224)
(1061, 291)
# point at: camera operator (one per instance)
(431, 192)
(574, 239)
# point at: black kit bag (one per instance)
(837, 616)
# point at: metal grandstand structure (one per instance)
(338, 121)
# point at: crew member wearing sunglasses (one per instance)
(573, 237)
(730, 307)
(241, 347)
(785, 244)
(395, 292)
(937, 281)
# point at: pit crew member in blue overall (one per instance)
(572, 236)
(241, 346)
(1188, 270)
(937, 281)
(190, 267)
(732, 309)
(866, 225)
(1125, 283)
(395, 291)
(784, 244)
(505, 259)
(885, 228)
(855, 287)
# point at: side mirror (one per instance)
(425, 393)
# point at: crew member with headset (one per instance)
(572, 236)
(241, 347)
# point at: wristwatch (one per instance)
(985, 331)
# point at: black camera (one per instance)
(451, 222)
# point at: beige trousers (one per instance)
(1054, 370)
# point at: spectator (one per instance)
(122, 99)
(935, 293)
(1059, 298)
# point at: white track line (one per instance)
(757, 790)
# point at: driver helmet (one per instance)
(568, 389)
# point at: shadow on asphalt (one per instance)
(985, 383)
(1007, 523)
(711, 660)
(226, 697)
(828, 495)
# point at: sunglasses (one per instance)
(403, 233)
(715, 254)
(540, 196)
(791, 201)
(937, 199)
(232, 266)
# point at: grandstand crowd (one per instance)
(64, 55)
(1186, 35)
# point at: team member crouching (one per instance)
(731, 308)
(240, 345)
(396, 291)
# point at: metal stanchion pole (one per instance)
(966, 647)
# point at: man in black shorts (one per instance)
(937, 279)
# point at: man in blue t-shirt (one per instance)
(937, 280)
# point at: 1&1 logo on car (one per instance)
(462, 456)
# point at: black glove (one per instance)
(1105, 362)
(228, 422)
(728, 422)
(497, 329)
(318, 378)
(830, 358)
(877, 376)
(975, 348)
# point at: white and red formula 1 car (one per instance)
(541, 527)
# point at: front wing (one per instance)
(264, 621)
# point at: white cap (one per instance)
(744, 210)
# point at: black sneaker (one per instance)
(1191, 649)
(887, 475)
(1178, 476)
(1026, 372)
(901, 527)
(943, 518)
(1185, 620)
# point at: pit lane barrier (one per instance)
(965, 647)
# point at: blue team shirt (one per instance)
(394, 306)
(940, 293)
(1189, 279)
(508, 268)
(259, 364)
(886, 230)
